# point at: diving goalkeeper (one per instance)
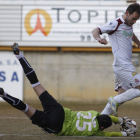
(57, 119)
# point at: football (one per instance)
(131, 125)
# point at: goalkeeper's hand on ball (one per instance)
(128, 127)
(126, 123)
(128, 132)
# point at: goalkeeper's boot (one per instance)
(114, 106)
(1, 92)
(15, 48)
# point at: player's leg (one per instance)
(54, 112)
(107, 110)
(112, 105)
(120, 90)
(127, 95)
(120, 87)
(138, 87)
(17, 103)
(129, 80)
(28, 70)
(32, 77)
(40, 118)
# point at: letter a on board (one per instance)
(14, 77)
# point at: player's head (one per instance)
(104, 121)
(132, 14)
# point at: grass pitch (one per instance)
(14, 125)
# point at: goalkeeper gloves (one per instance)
(125, 123)
(128, 132)
(125, 127)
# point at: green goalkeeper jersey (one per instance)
(82, 123)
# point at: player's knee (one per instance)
(138, 87)
(39, 118)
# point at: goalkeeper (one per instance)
(60, 120)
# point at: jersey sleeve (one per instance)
(109, 134)
(113, 134)
(114, 119)
(109, 27)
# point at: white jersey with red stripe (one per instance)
(120, 36)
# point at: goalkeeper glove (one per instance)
(128, 133)
(125, 123)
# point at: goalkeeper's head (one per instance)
(104, 121)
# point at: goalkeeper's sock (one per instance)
(28, 70)
(107, 110)
(16, 103)
(127, 95)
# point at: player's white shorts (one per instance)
(126, 77)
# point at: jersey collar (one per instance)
(122, 19)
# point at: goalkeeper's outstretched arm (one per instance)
(113, 134)
(123, 133)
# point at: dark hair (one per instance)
(135, 7)
(104, 121)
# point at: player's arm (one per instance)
(116, 120)
(113, 134)
(135, 40)
(96, 35)
(118, 134)
(107, 28)
(123, 122)
(124, 133)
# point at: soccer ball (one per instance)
(134, 126)
(131, 125)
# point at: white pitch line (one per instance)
(13, 118)
(19, 135)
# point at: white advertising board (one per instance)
(65, 24)
(11, 75)
(57, 24)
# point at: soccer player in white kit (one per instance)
(121, 35)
